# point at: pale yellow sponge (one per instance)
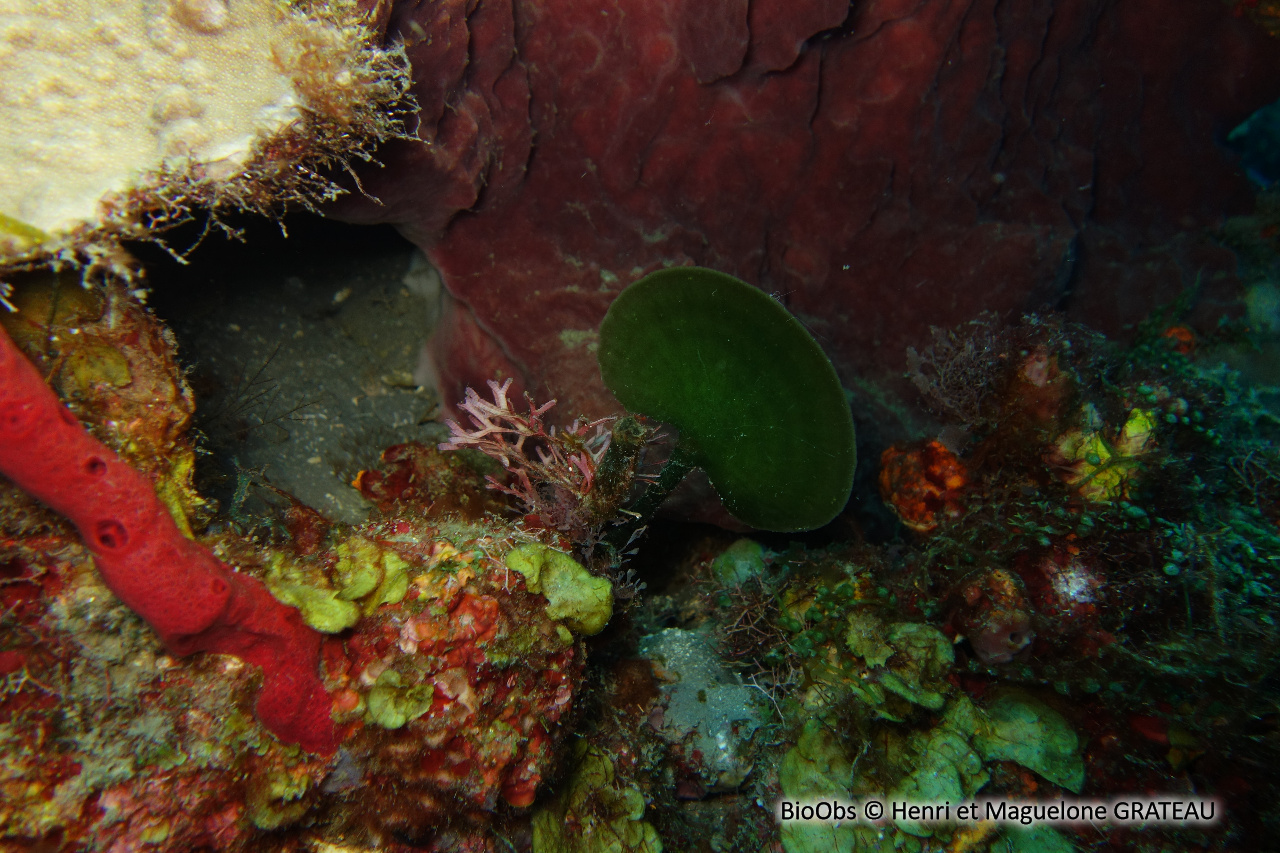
(117, 118)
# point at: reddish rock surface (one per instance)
(882, 168)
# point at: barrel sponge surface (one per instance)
(105, 105)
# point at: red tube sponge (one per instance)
(193, 600)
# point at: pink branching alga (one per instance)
(554, 470)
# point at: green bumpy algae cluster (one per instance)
(890, 684)
(584, 602)
(454, 677)
(740, 563)
(391, 703)
(595, 812)
(1116, 528)
(363, 578)
(905, 659)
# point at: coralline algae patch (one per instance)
(111, 109)
(453, 655)
(455, 688)
(447, 692)
(108, 743)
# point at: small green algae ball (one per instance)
(758, 404)
(740, 562)
(581, 600)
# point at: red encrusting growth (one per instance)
(193, 600)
